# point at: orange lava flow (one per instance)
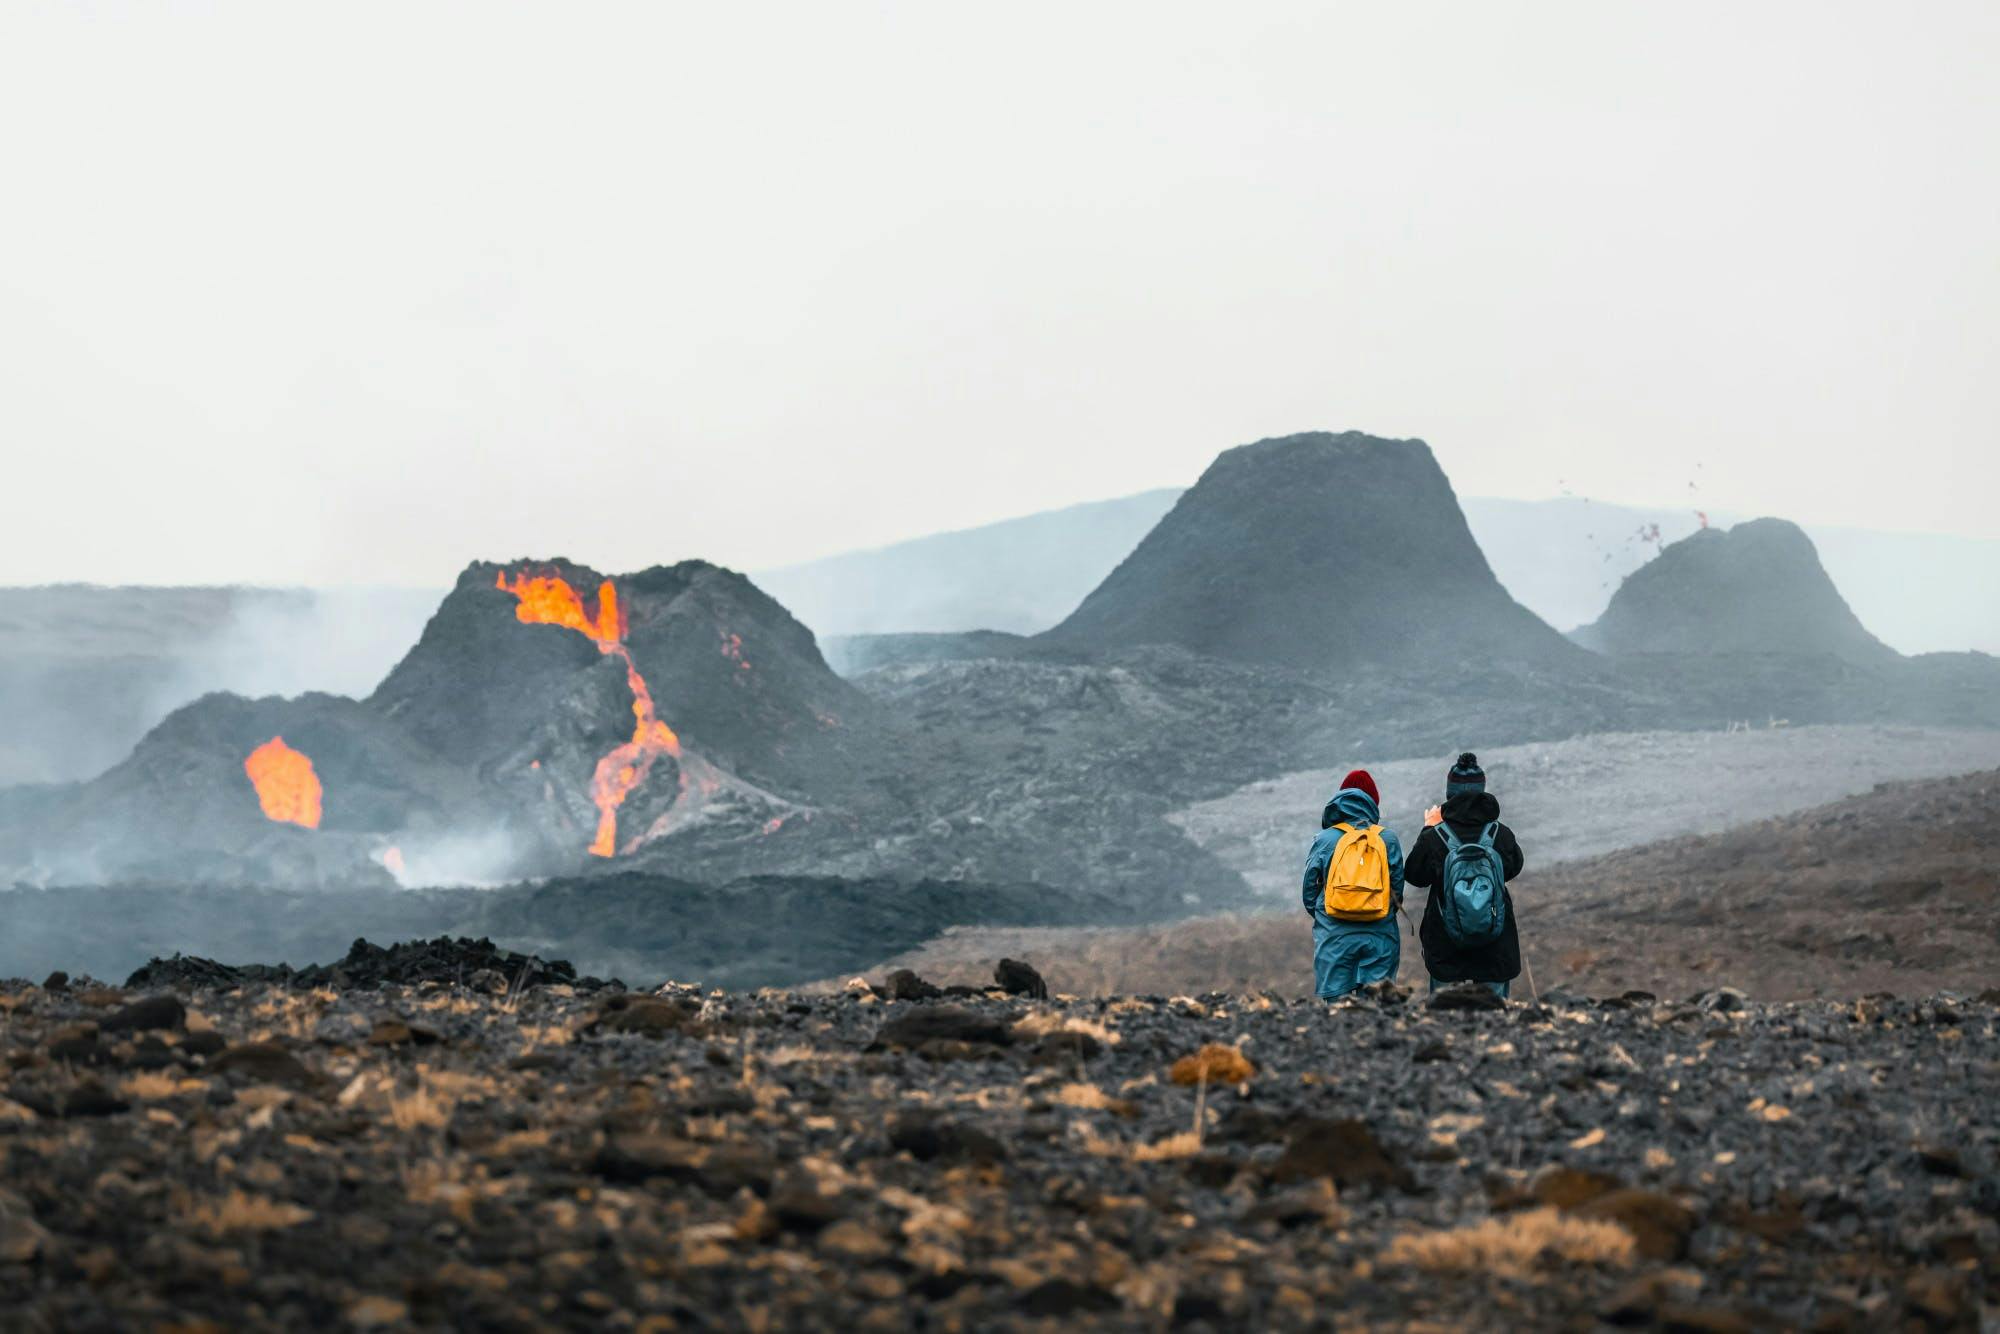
(549, 600)
(287, 787)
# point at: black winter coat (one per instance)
(1468, 814)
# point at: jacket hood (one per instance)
(1473, 808)
(1352, 805)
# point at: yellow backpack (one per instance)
(1357, 876)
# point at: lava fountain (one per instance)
(549, 600)
(287, 787)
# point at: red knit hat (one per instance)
(1359, 778)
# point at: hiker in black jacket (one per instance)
(1468, 809)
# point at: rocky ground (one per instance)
(473, 1152)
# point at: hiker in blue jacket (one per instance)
(1347, 955)
(1469, 811)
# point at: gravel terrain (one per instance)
(464, 1156)
(1593, 794)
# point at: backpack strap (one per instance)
(1486, 835)
(1451, 840)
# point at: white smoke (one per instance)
(339, 640)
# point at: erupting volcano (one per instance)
(549, 600)
(287, 787)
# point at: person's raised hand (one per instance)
(1435, 815)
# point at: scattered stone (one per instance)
(719, 1169)
(645, 1016)
(264, 1063)
(905, 985)
(1659, 1224)
(1064, 1048)
(1065, 1297)
(1314, 1202)
(920, 1024)
(90, 1098)
(1020, 979)
(1569, 1187)
(798, 1202)
(1674, 1318)
(854, 1242)
(390, 1031)
(1941, 1296)
(21, 1237)
(1639, 1301)
(1345, 1152)
(152, 1013)
(926, 1136)
(1466, 996)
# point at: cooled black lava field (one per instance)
(460, 1154)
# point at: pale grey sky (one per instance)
(353, 293)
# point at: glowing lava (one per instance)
(287, 787)
(549, 600)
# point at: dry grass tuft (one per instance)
(1515, 1245)
(153, 1085)
(421, 1108)
(1184, 1145)
(1213, 1064)
(240, 1211)
(1088, 1097)
(1041, 1023)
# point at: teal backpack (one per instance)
(1472, 901)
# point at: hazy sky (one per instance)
(344, 293)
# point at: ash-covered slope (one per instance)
(686, 689)
(1314, 551)
(183, 806)
(1755, 588)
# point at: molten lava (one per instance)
(287, 787)
(549, 600)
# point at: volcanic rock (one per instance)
(904, 984)
(91, 1098)
(926, 1135)
(1465, 996)
(1659, 1223)
(1758, 587)
(1244, 564)
(1344, 1151)
(265, 1063)
(647, 1016)
(154, 1012)
(1020, 979)
(940, 1023)
(719, 1169)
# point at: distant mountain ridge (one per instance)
(1560, 558)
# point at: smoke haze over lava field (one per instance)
(554, 721)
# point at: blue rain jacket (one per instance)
(1350, 954)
